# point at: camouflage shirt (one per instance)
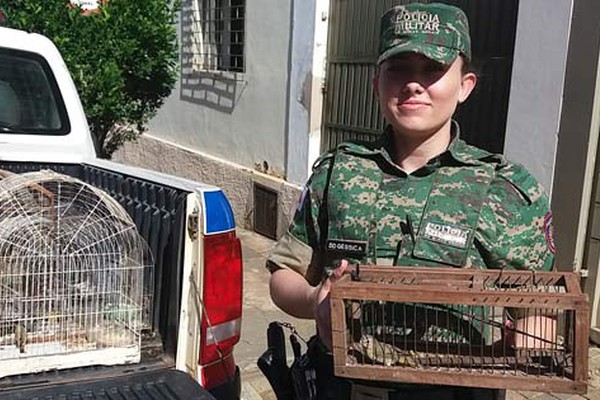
(465, 208)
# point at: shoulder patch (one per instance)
(522, 180)
(358, 148)
(468, 154)
(355, 148)
(302, 198)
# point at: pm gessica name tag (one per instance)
(355, 248)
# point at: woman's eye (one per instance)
(410, 70)
(398, 69)
(435, 67)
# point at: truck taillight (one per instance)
(222, 314)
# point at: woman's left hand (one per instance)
(322, 306)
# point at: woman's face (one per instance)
(418, 96)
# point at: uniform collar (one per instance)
(457, 150)
(462, 152)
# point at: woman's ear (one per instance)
(467, 84)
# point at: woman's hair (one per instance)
(469, 66)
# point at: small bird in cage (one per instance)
(20, 337)
(385, 353)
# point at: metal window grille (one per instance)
(217, 35)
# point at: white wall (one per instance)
(301, 57)
(244, 121)
(537, 85)
(307, 74)
(319, 67)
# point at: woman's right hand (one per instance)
(322, 306)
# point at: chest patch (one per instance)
(446, 234)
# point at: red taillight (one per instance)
(222, 298)
(217, 373)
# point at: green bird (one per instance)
(387, 354)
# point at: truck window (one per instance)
(30, 101)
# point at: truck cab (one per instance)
(41, 117)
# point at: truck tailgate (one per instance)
(156, 385)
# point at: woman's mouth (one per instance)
(413, 104)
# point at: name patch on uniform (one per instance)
(446, 234)
(347, 247)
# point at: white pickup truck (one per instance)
(189, 227)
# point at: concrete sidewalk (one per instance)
(259, 311)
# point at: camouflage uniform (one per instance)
(466, 208)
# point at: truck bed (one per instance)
(158, 211)
(155, 385)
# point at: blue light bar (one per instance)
(218, 213)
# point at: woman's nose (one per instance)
(413, 86)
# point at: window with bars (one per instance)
(218, 35)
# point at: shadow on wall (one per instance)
(209, 89)
(203, 79)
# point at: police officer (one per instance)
(419, 196)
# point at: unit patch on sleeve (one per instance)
(302, 198)
(446, 234)
(549, 232)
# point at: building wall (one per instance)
(271, 117)
(577, 140)
(234, 133)
(235, 180)
(241, 118)
(537, 86)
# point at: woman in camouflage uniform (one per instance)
(420, 196)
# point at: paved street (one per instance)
(259, 311)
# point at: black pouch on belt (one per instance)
(303, 373)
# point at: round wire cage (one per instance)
(74, 275)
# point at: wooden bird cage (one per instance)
(500, 329)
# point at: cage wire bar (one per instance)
(498, 329)
(76, 277)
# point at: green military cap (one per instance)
(438, 31)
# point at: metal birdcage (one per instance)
(74, 276)
(479, 328)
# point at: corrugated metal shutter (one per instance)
(350, 109)
(591, 257)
